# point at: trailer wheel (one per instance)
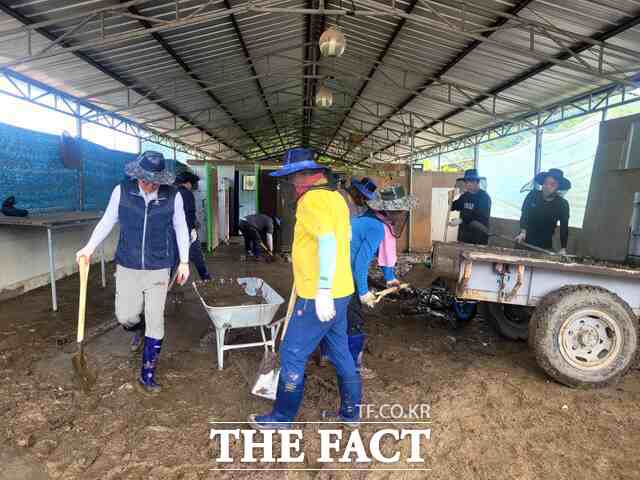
(584, 336)
(510, 321)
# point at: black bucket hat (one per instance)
(557, 174)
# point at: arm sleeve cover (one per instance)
(327, 249)
(181, 229)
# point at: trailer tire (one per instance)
(584, 336)
(503, 319)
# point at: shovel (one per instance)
(266, 385)
(86, 377)
(479, 226)
(388, 291)
(267, 251)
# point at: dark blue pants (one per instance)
(195, 256)
(302, 338)
(251, 237)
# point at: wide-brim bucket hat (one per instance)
(187, 177)
(297, 160)
(151, 167)
(471, 175)
(366, 187)
(558, 175)
(394, 199)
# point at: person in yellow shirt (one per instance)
(324, 285)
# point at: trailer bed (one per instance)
(521, 277)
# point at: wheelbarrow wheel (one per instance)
(584, 336)
(510, 321)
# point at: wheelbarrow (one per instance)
(244, 316)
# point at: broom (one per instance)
(266, 384)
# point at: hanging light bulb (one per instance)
(332, 43)
(324, 97)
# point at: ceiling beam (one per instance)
(627, 24)
(174, 55)
(86, 58)
(522, 4)
(313, 29)
(374, 68)
(254, 73)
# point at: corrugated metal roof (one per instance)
(237, 77)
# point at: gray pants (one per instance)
(138, 289)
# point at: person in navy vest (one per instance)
(150, 212)
(474, 205)
(187, 182)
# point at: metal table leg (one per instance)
(52, 271)
(104, 275)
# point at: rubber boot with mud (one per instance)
(357, 343)
(285, 408)
(147, 381)
(350, 398)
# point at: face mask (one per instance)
(309, 181)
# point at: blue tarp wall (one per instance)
(31, 168)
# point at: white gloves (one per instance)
(325, 308)
(84, 252)
(521, 236)
(454, 222)
(369, 299)
(194, 235)
(183, 273)
(562, 251)
(393, 283)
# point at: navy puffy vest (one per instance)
(147, 238)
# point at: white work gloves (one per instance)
(454, 222)
(368, 299)
(194, 235)
(562, 251)
(325, 308)
(183, 273)
(521, 236)
(84, 252)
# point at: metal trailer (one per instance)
(580, 317)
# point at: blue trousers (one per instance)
(195, 255)
(302, 338)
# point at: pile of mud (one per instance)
(228, 293)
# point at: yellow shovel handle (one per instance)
(387, 291)
(83, 265)
(289, 314)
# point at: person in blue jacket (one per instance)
(367, 234)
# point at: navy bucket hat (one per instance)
(366, 187)
(297, 160)
(151, 167)
(471, 175)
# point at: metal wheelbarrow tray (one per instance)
(244, 316)
(579, 315)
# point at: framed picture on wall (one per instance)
(248, 183)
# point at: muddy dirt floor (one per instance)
(494, 413)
